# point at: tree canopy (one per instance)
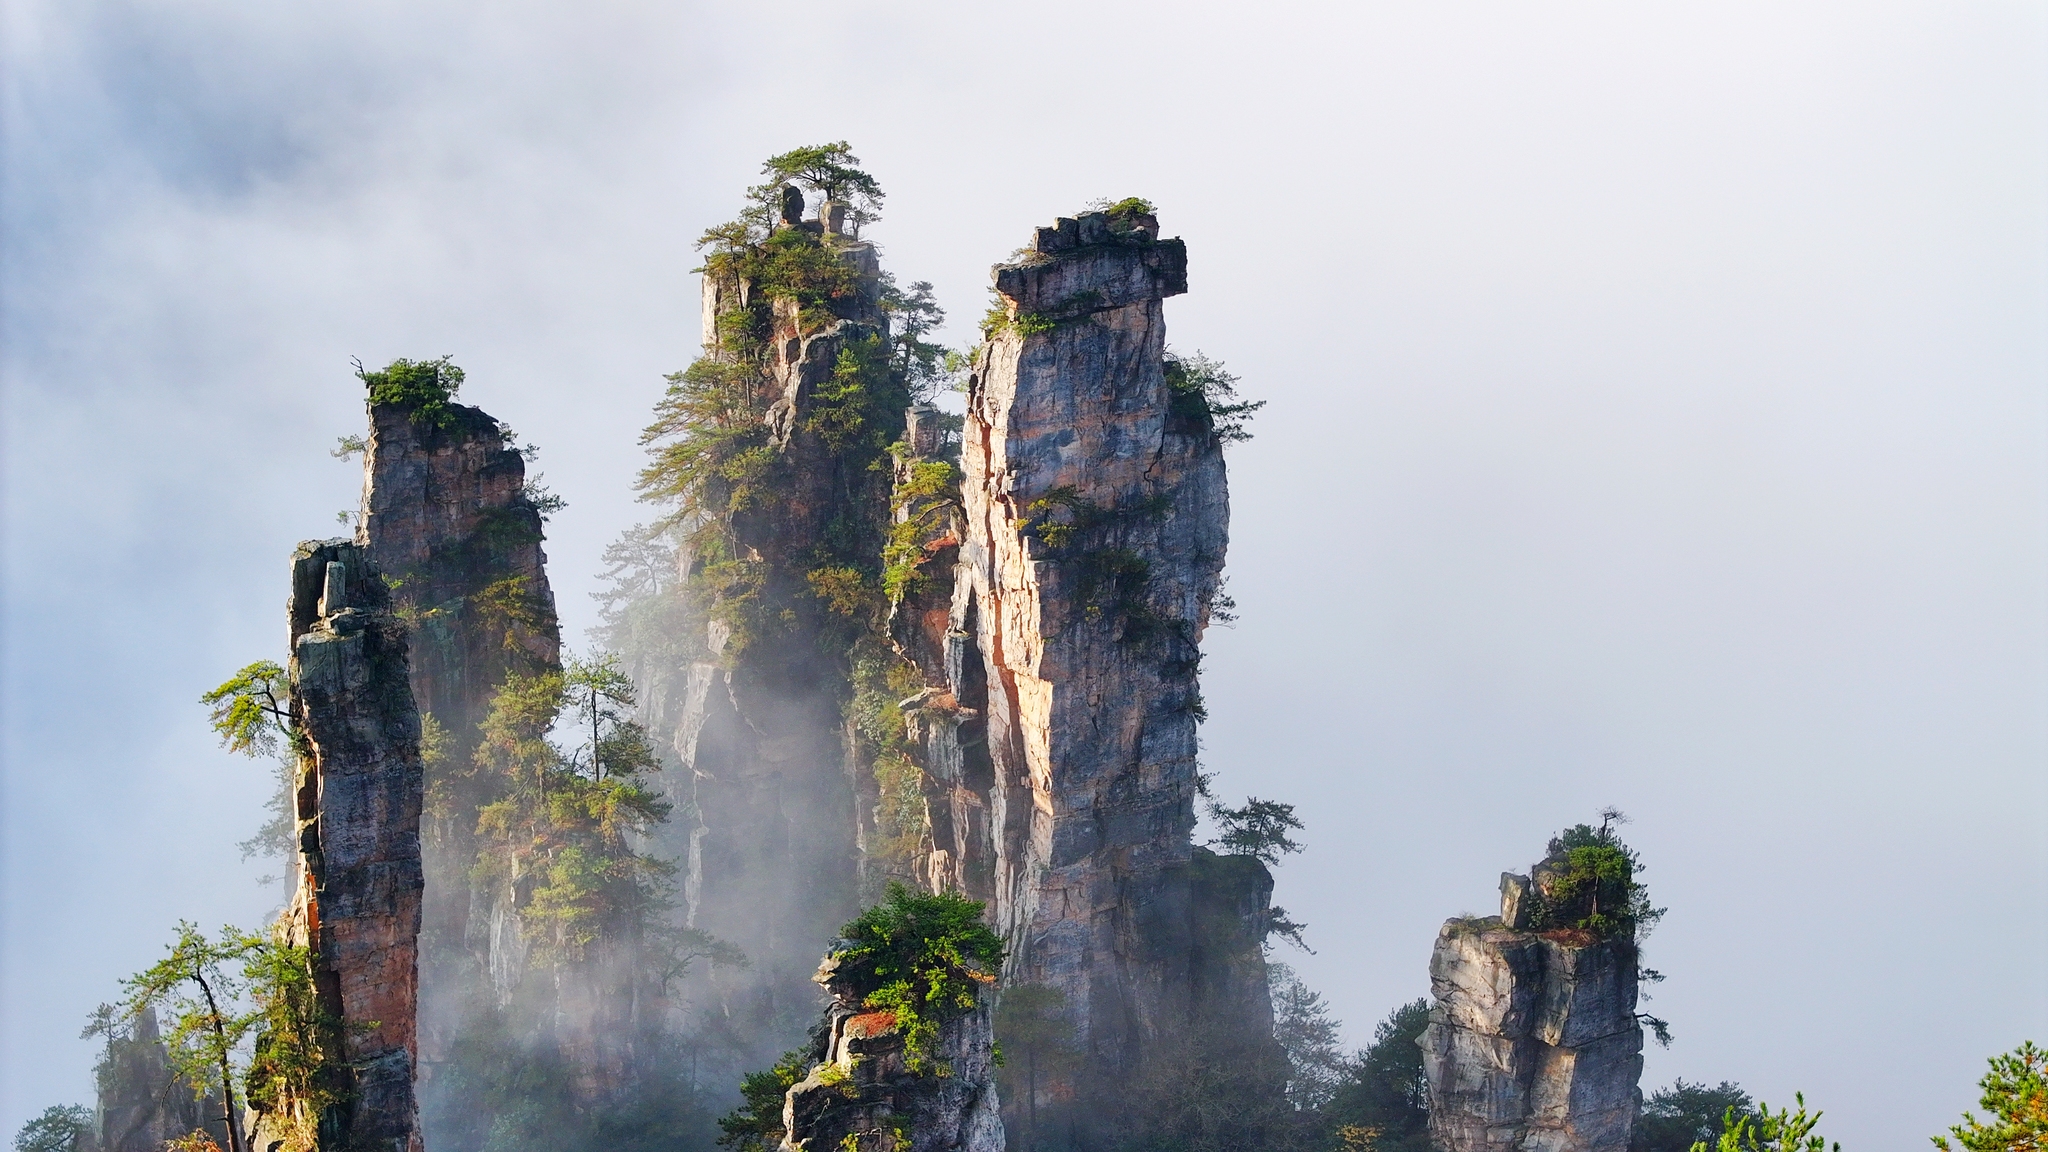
(832, 171)
(922, 956)
(60, 1128)
(2016, 1097)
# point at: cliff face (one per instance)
(863, 1091)
(1059, 728)
(764, 755)
(446, 517)
(357, 900)
(1533, 1043)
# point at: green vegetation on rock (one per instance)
(923, 957)
(1587, 883)
(426, 387)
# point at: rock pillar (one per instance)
(1060, 726)
(1533, 1044)
(357, 900)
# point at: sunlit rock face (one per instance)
(447, 521)
(359, 878)
(1059, 728)
(1533, 1044)
(445, 515)
(863, 1085)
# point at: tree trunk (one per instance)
(227, 1079)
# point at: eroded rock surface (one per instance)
(1059, 725)
(865, 1096)
(359, 877)
(1533, 1043)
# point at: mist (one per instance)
(1656, 419)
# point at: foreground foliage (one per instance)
(924, 958)
(2016, 1098)
(1766, 1131)
(60, 1128)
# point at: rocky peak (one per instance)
(1533, 1044)
(1059, 728)
(357, 899)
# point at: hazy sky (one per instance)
(1657, 418)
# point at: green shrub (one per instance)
(1588, 883)
(756, 1125)
(424, 386)
(923, 958)
(1202, 399)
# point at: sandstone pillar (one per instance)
(1533, 1044)
(357, 902)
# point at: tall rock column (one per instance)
(446, 517)
(357, 902)
(763, 754)
(1095, 523)
(1533, 1044)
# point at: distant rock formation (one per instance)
(356, 902)
(1533, 1044)
(1058, 728)
(864, 1097)
(142, 1103)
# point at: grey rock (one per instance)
(1533, 1043)
(1515, 906)
(1060, 740)
(865, 1088)
(358, 881)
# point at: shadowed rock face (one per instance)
(445, 514)
(764, 767)
(357, 901)
(447, 522)
(1059, 728)
(1533, 1044)
(863, 1087)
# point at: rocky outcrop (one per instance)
(864, 1096)
(356, 903)
(447, 518)
(446, 515)
(1533, 1044)
(142, 1103)
(1059, 725)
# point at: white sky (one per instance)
(1657, 419)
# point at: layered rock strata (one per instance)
(1059, 725)
(864, 1096)
(1533, 1044)
(356, 903)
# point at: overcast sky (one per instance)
(1656, 418)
